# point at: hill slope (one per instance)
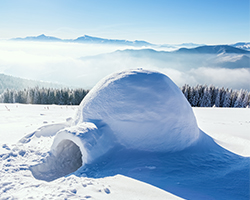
(10, 82)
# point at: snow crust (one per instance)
(144, 110)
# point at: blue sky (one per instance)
(156, 21)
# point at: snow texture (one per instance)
(138, 109)
(135, 123)
(145, 110)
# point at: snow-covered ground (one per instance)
(17, 182)
(228, 126)
(134, 136)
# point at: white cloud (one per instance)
(60, 62)
(229, 78)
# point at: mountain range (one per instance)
(214, 49)
(220, 65)
(137, 43)
(184, 59)
(85, 39)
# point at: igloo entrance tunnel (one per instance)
(138, 109)
(66, 159)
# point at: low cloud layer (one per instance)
(76, 65)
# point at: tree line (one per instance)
(198, 96)
(210, 96)
(38, 95)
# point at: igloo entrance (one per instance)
(66, 159)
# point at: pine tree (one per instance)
(217, 100)
(245, 100)
(201, 93)
(78, 97)
(186, 92)
(222, 96)
(65, 96)
(227, 98)
(37, 96)
(206, 99)
(213, 94)
(239, 100)
(194, 97)
(30, 96)
(6, 96)
(71, 97)
(248, 104)
(21, 97)
(51, 96)
(233, 98)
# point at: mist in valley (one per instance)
(83, 65)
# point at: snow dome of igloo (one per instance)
(138, 109)
(143, 109)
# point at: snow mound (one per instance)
(138, 109)
(144, 109)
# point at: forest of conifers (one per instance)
(198, 96)
(210, 96)
(38, 95)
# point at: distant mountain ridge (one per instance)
(206, 49)
(214, 49)
(216, 56)
(85, 39)
(91, 39)
(96, 40)
(242, 45)
(42, 38)
(137, 43)
(11, 82)
(39, 38)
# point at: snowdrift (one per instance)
(139, 124)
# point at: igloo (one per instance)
(138, 109)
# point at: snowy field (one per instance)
(230, 128)
(18, 120)
(134, 136)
